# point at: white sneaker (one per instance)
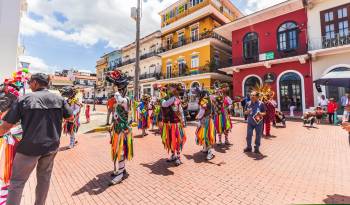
(178, 161)
(172, 158)
(210, 155)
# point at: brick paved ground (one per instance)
(300, 166)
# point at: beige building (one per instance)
(150, 62)
(329, 42)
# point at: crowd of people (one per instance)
(31, 125)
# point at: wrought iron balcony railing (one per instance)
(186, 41)
(329, 42)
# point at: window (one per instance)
(168, 70)
(216, 59)
(194, 34)
(251, 46)
(181, 39)
(195, 2)
(181, 66)
(343, 28)
(342, 13)
(335, 25)
(328, 16)
(287, 36)
(195, 61)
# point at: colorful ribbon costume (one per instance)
(9, 92)
(172, 132)
(71, 126)
(205, 133)
(222, 104)
(121, 134)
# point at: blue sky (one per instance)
(60, 34)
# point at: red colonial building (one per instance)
(270, 47)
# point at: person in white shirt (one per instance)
(323, 102)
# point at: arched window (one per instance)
(287, 36)
(290, 91)
(250, 83)
(251, 47)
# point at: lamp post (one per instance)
(94, 108)
(137, 17)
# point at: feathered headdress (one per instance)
(69, 92)
(118, 78)
(264, 91)
(146, 98)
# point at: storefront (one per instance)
(291, 82)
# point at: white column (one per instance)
(9, 29)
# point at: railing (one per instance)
(210, 68)
(326, 42)
(186, 41)
(192, 9)
(150, 54)
(269, 55)
(155, 75)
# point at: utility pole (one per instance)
(137, 63)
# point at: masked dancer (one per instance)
(205, 133)
(222, 104)
(173, 134)
(143, 110)
(71, 126)
(121, 135)
(9, 92)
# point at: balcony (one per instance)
(155, 75)
(268, 56)
(326, 42)
(209, 68)
(150, 54)
(186, 41)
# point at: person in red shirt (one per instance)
(110, 108)
(331, 109)
(87, 113)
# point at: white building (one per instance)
(329, 41)
(150, 62)
(10, 14)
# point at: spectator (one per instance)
(87, 113)
(323, 102)
(270, 113)
(292, 107)
(40, 114)
(331, 109)
(344, 100)
(110, 108)
(255, 110)
(244, 102)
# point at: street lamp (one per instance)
(94, 108)
(136, 14)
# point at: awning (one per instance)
(335, 78)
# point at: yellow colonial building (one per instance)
(192, 53)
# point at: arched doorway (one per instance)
(337, 92)
(290, 85)
(250, 83)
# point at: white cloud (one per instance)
(36, 64)
(90, 21)
(257, 5)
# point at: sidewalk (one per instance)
(299, 166)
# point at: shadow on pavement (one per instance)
(95, 186)
(269, 137)
(200, 157)
(222, 148)
(337, 199)
(160, 167)
(255, 156)
(65, 148)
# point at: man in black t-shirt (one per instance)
(40, 114)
